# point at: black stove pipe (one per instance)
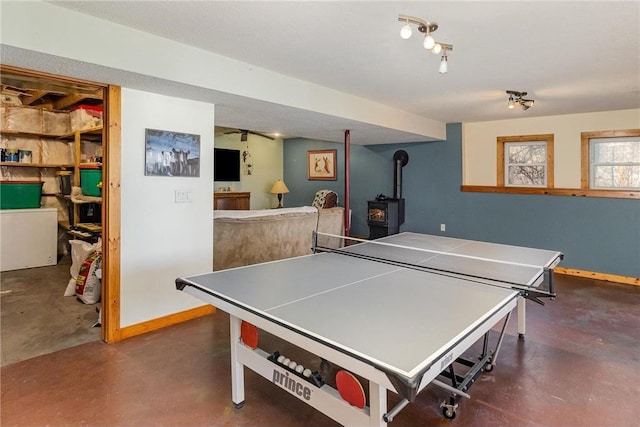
(400, 159)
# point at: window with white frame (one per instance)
(614, 163)
(611, 161)
(525, 164)
(525, 161)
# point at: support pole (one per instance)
(347, 179)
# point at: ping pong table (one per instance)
(399, 311)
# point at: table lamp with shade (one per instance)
(279, 188)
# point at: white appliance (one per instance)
(28, 238)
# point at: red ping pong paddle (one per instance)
(350, 389)
(249, 334)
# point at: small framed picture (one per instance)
(321, 165)
(171, 153)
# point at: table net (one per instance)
(428, 256)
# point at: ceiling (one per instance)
(571, 57)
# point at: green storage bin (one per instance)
(20, 194)
(90, 178)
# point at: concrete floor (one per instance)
(36, 318)
(579, 365)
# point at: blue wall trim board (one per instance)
(595, 234)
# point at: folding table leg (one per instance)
(237, 368)
(377, 404)
(522, 321)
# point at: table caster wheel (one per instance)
(488, 367)
(448, 413)
(238, 405)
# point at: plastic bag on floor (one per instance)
(80, 250)
(99, 321)
(88, 284)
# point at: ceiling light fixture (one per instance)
(406, 31)
(444, 67)
(517, 98)
(429, 43)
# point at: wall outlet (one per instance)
(443, 227)
(183, 196)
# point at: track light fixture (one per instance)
(429, 43)
(444, 67)
(406, 31)
(516, 98)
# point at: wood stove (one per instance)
(384, 217)
(386, 214)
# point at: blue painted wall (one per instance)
(595, 234)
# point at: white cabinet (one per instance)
(28, 238)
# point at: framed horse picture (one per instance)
(321, 165)
(171, 153)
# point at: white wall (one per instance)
(479, 142)
(161, 239)
(267, 168)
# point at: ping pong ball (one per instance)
(280, 359)
(299, 369)
(307, 372)
(286, 361)
(292, 365)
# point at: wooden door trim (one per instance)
(111, 330)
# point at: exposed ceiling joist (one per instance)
(74, 99)
(34, 96)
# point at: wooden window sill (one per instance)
(574, 192)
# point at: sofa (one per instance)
(255, 236)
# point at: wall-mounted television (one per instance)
(226, 164)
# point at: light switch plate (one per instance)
(183, 196)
